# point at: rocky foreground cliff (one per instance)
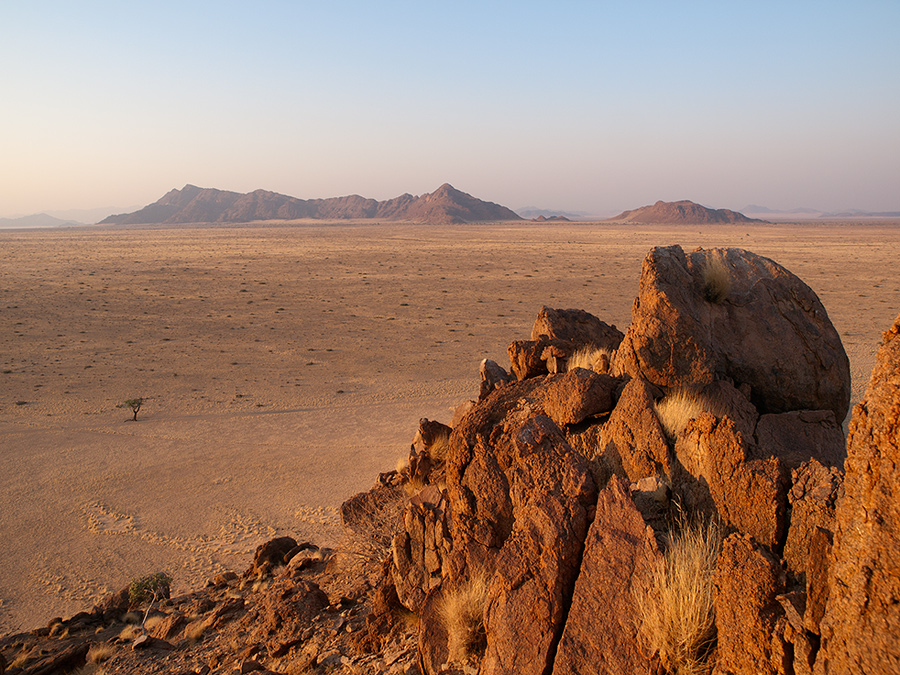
(676, 499)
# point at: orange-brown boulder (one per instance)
(633, 444)
(575, 326)
(520, 499)
(551, 490)
(525, 358)
(748, 579)
(620, 555)
(861, 627)
(752, 321)
(574, 396)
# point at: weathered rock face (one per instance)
(862, 620)
(620, 554)
(519, 498)
(574, 396)
(576, 326)
(633, 444)
(421, 546)
(770, 331)
(551, 490)
(288, 607)
(812, 497)
(713, 472)
(748, 579)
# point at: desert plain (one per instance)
(283, 366)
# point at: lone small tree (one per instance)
(152, 588)
(135, 405)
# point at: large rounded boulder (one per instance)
(731, 314)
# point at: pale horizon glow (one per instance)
(589, 107)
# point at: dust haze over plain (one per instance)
(581, 107)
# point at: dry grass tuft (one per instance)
(439, 447)
(462, 610)
(130, 632)
(678, 617)
(716, 279)
(598, 359)
(678, 408)
(100, 653)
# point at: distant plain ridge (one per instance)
(684, 212)
(192, 204)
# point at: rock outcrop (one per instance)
(537, 531)
(768, 330)
(861, 625)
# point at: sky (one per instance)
(591, 107)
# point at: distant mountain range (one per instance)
(36, 220)
(192, 204)
(681, 213)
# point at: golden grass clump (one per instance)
(439, 446)
(462, 610)
(678, 408)
(716, 279)
(678, 616)
(598, 359)
(100, 653)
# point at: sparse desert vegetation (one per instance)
(679, 407)
(678, 616)
(598, 359)
(462, 610)
(716, 278)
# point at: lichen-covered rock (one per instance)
(768, 330)
(620, 555)
(800, 435)
(748, 579)
(861, 625)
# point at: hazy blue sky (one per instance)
(582, 106)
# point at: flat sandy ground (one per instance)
(283, 367)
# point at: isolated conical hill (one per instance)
(684, 212)
(192, 204)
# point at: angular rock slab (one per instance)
(532, 564)
(633, 444)
(748, 579)
(620, 556)
(861, 626)
(770, 332)
(713, 472)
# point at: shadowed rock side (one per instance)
(191, 204)
(552, 527)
